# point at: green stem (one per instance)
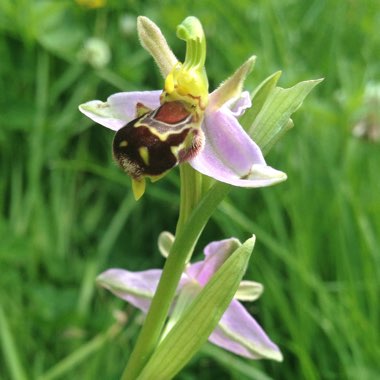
(66, 365)
(191, 193)
(11, 355)
(181, 251)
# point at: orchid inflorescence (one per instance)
(237, 331)
(184, 125)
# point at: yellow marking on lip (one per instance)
(163, 136)
(123, 144)
(175, 149)
(138, 188)
(144, 154)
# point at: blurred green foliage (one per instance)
(67, 212)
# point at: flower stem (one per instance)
(188, 233)
(191, 193)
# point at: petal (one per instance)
(239, 333)
(216, 254)
(233, 86)
(230, 155)
(120, 108)
(137, 288)
(123, 104)
(238, 105)
(101, 113)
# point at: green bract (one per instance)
(269, 118)
(192, 330)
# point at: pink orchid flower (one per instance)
(220, 148)
(237, 330)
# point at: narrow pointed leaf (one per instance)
(272, 142)
(258, 97)
(203, 315)
(233, 362)
(274, 116)
(11, 355)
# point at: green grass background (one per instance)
(67, 212)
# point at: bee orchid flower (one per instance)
(156, 130)
(237, 330)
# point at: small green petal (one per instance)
(233, 86)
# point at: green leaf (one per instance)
(233, 362)
(11, 355)
(258, 97)
(273, 120)
(193, 329)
